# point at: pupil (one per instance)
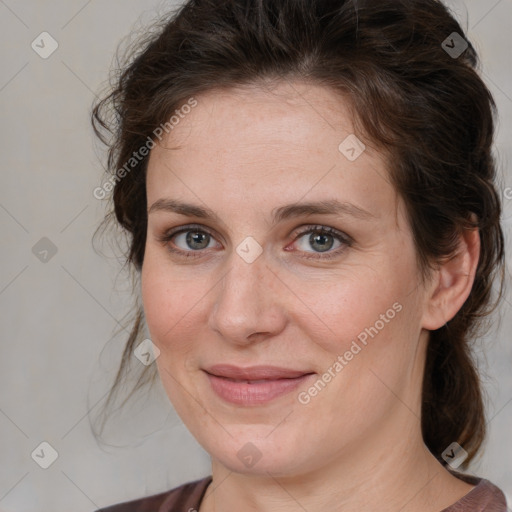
(321, 243)
(197, 240)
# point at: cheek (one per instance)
(171, 306)
(343, 310)
(365, 340)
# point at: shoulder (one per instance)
(183, 498)
(484, 497)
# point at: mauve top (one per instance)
(186, 498)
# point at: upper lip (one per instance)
(229, 371)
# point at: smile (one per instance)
(254, 385)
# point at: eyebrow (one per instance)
(328, 207)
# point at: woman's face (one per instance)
(286, 301)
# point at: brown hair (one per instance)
(426, 107)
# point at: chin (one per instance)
(255, 452)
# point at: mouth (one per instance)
(255, 385)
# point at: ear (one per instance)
(452, 282)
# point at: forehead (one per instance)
(265, 143)
(284, 112)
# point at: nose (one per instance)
(246, 306)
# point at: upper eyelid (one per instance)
(188, 227)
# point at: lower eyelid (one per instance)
(339, 240)
(181, 233)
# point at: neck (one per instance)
(393, 472)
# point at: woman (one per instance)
(309, 192)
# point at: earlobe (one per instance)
(452, 282)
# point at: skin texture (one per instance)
(357, 444)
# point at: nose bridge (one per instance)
(243, 305)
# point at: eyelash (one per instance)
(344, 239)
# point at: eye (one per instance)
(188, 240)
(316, 241)
(194, 240)
(322, 241)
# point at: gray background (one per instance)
(59, 350)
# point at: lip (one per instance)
(254, 385)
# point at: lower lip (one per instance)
(242, 393)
